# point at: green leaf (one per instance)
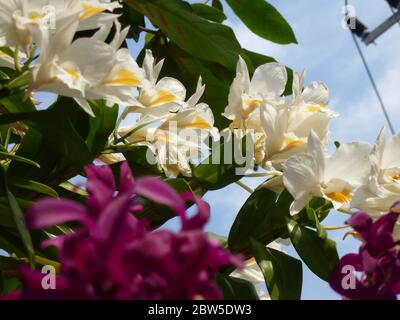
(236, 289)
(32, 186)
(220, 168)
(209, 13)
(283, 274)
(217, 4)
(6, 218)
(101, 126)
(262, 217)
(318, 253)
(264, 20)
(313, 217)
(56, 126)
(5, 155)
(17, 103)
(199, 37)
(23, 231)
(137, 159)
(18, 216)
(11, 285)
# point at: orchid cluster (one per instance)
(291, 141)
(91, 69)
(281, 127)
(114, 255)
(378, 260)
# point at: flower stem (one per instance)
(245, 187)
(16, 59)
(345, 211)
(332, 228)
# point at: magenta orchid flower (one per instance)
(378, 260)
(114, 255)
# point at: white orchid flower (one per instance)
(313, 98)
(159, 97)
(337, 178)
(246, 96)
(70, 69)
(383, 188)
(95, 13)
(287, 130)
(175, 139)
(22, 22)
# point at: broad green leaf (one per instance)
(214, 176)
(6, 218)
(217, 4)
(32, 186)
(317, 208)
(318, 253)
(17, 103)
(9, 266)
(236, 289)
(56, 126)
(11, 285)
(283, 274)
(101, 126)
(199, 37)
(264, 20)
(137, 159)
(262, 217)
(20, 223)
(6, 155)
(10, 242)
(209, 13)
(39, 150)
(18, 216)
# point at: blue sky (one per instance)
(327, 52)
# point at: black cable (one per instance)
(371, 78)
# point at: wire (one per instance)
(371, 78)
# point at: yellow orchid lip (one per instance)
(123, 77)
(73, 73)
(90, 11)
(291, 143)
(396, 177)
(162, 97)
(36, 15)
(198, 123)
(341, 197)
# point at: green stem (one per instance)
(345, 211)
(244, 186)
(16, 59)
(333, 228)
